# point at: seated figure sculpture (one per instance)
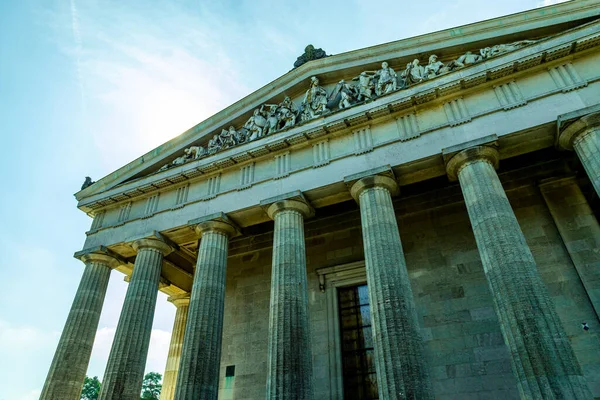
(466, 59)
(434, 68)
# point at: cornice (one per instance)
(345, 121)
(510, 26)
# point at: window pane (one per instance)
(360, 381)
(349, 318)
(363, 295)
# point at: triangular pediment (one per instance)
(457, 50)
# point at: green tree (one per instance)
(91, 388)
(151, 386)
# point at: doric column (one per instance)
(201, 355)
(542, 358)
(182, 303)
(125, 369)
(289, 362)
(399, 360)
(583, 136)
(69, 366)
(579, 230)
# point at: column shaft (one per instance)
(201, 354)
(587, 147)
(401, 369)
(69, 366)
(125, 369)
(175, 347)
(289, 366)
(542, 357)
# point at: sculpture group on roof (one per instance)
(367, 86)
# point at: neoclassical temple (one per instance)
(414, 220)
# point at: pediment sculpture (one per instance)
(310, 53)
(367, 86)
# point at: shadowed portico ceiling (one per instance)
(448, 45)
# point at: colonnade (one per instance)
(542, 358)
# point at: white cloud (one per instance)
(148, 76)
(157, 351)
(22, 346)
(550, 2)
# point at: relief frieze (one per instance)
(269, 119)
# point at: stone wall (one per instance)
(464, 346)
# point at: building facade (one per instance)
(414, 220)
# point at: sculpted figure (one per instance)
(310, 53)
(365, 86)
(387, 79)
(286, 113)
(347, 95)
(187, 156)
(466, 59)
(414, 73)
(272, 119)
(488, 52)
(228, 137)
(315, 100)
(434, 68)
(255, 125)
(195, 152)
(214, 145)
(87, 183)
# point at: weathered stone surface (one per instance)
(583, 136)
(289, 363)
(587, 148)
(542, 358)
(173, 359)
(68, 368)
(579, 230)
(400, 363)
(125, 370)
(201, 354)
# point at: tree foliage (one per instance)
(151, 386)
(91, 388)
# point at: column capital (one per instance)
(377, 177)
(152, 243)
(455, 162)
(569, 132)
(100, 254)
(289, 201)
(180, 300)
(217, 222)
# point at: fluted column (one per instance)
(69, 366)
(289, 362)
(201, 355)
(583, 136)
(125, 369)
(172, 368)
(399, 360)
(542, 358)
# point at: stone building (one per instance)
(413, 220)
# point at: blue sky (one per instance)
(87, 86)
